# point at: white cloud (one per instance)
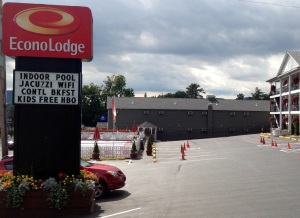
(226, 46)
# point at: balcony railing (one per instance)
(295, 107)
(274, 108)
(295, 86)
(284, 108)
(285, 89)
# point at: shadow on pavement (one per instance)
(115, 195)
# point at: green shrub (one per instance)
(133, 148)
(150, 142)
(96, 148)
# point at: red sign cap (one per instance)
(53, 31)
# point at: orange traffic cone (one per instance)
(272, 143)
(187, 143)
(184, 147)
(289, 146)
(261, 141)
(182, 153)
(275, 144)
(181, 149)
(264, 141)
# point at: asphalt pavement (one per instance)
(230, 177)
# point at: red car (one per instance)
(6, 163)
(110, 177)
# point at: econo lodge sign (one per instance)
(36, 30)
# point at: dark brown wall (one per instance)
(175, 123)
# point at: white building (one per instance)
(284, 94)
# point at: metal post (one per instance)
(2, 93)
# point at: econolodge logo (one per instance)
(47, 21)
(36, 30)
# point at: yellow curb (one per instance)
(293, 139)
(117, 158)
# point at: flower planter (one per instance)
(273, 88)
(272, 119)
(35, 205)
(284, 82)
(295, 99)
(133, 155)
(295, 80)
(284, 101)
(96, 156)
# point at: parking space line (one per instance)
(193, 160)
(116, 214)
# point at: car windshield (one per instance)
(85, 164)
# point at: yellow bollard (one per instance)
(154, 153)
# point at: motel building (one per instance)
(284, 96)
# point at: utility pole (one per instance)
(2, 93)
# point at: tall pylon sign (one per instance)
(49, 43)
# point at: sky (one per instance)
(228, 47)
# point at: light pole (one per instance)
(2, 94)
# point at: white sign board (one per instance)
(46, 88)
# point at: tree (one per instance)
(93, 104)
(115, 86)
(194, 91)
(259, 95)
(128, 92)
(180, 94)
(119, 85)
(94, 97)
(167, 95)
(240, 96)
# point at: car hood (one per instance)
(103, 167)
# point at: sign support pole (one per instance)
(2, 94)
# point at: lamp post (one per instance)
(2, 93)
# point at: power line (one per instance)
(273, 4)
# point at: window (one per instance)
(204, 130)
(204, 113)
(161, 112)
(190, 113)
(9, 165)
(246, 113)
(232, 113)
(190, 129)
(146, 112)
(160, 129)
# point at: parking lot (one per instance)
(221, 177)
